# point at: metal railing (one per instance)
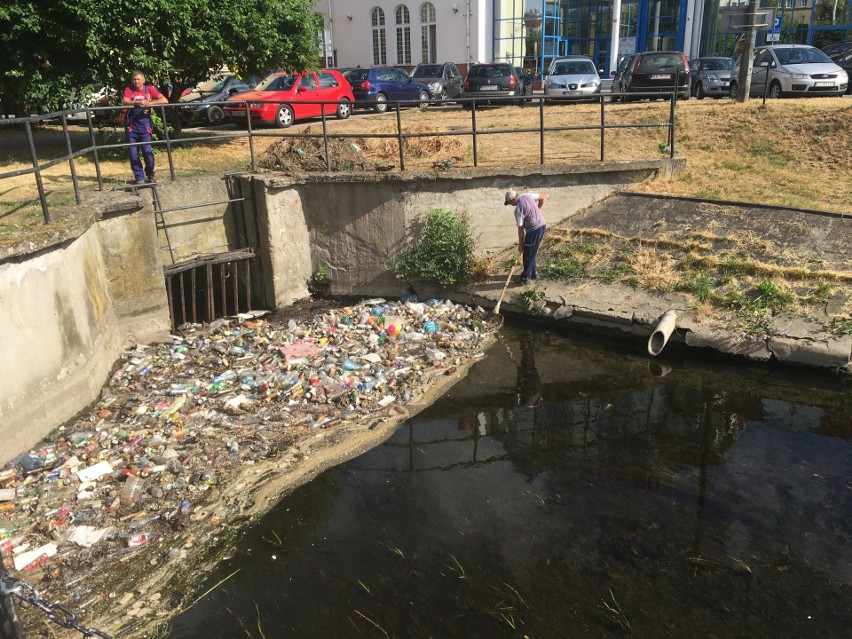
(94, 116)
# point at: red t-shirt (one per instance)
(138, 115)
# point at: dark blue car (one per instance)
(203, 98)
(373, 88)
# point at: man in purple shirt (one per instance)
(531, 228)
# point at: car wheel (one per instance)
(215, 115)
(775, 90)
(732, 91)
(344, 109)
(424, 99)
(381, 103)
(284, 116)
(443, 95)
(699, 91)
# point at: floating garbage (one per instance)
(177, 419)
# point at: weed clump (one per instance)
(442, 251)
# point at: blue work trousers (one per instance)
(532, 240)
(140, 133)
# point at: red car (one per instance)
(282, 98)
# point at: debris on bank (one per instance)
(176, 420)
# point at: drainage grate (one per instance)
(211, 287)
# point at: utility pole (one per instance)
(747, 57)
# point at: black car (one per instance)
(206, 94)
(495, 83)
(711, 77)
(841, 54)
(654, 72)
(444, 80)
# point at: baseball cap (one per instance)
(511, 194)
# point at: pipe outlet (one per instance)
(662, 332)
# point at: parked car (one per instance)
(283, 98)
(792, 70)
(655, 72)
(373, 88)
(572, 77)
(841, 54)
(444, 81)
(710, 77)
(526, 81)
(206, 94)
(494, 83)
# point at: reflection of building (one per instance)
(532, 32)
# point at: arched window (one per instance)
(428, 32)
(403, 35)
(380, 47)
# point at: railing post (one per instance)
(399, 137)
(250, 137)
(94, 149)
(168, 142)
(603, 127)
(473, 128)
(672, 125)
(541, 130)
(41, 196)
(325, 138)
(74, 182)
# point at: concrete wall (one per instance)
(80, 291)
(351, 225)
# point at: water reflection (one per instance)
(566, 490)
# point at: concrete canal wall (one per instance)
(78, 293)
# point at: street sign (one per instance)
(773, 36)
(777, 25)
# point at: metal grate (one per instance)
(211, 287)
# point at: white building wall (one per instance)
(463, 30)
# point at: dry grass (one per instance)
(791, 153)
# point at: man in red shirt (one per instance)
(137, 124)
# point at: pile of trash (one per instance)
(176, 419)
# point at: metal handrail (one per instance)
(169, 143)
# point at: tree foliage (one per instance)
(54, 45)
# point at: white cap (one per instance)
(511, 194)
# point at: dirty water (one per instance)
(566, 489)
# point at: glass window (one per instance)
(308, 80)
(380, 53)
(428, 32)
(403, 35)
(327, 81)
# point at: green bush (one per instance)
(442, 252)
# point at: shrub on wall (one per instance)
(442, 252)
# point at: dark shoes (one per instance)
(139, 182)
(151, 179)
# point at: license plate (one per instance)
(661, 76)
(823, 84)
(573, 93)
(489, 87)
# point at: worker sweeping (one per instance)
(531, 228)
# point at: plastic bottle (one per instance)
(233, 447)
(131, 490)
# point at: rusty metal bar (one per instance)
(94, 149)
(163, 113)
(325, 139)
(603, 128)
(399, 139)
(235, 274)
(222, 289)
(182, 299)
(194, 296)
(211, 313)
(541, 130)
(473, 129)
(170, 291)
(248, 284)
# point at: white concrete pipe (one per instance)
(661, 334)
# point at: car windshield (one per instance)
(428, 71)
(800, 55)
(718, 64)
(357, 75)
(574, 67)
(278, 83)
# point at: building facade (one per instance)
(532, 32)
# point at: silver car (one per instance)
(572, 77)
(790, 70)
(710, 77)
